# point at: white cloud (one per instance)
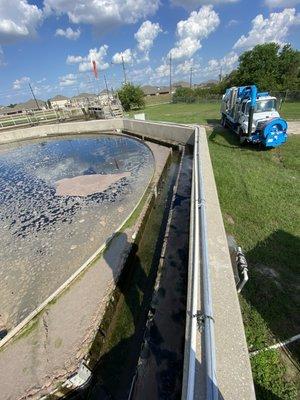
(18, 20)
(19, 83)
(85, 62)
(272, 29)
(225, 64)
(74, 59)
(281, 3)
(141, 75)
(184, 68)
(232, 22)
(162, 71)
(68, 33)
(146, 35)
(126, 54)
(192, 31)
(67, 80)
(103, 14)
(190, 4)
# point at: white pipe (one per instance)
(242, 283)
(276, 346)
(209, 341)
(197, 226)
(194, 294)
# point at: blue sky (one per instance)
(50, 43)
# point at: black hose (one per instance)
(250, 120)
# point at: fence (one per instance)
(283, 96)
(208, 98)
(37, 117)
(287, 95)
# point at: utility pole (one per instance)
(170, 74)
(191, 77)
(37, 104)
(124, 70)
(220, 75)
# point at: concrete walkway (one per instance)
(294, 127)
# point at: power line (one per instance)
(124, 70)
(170, 74)
(37, 104)
(220, 75)
(107, 91)
(191, 77)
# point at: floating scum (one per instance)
(60, 200)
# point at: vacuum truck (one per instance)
(253, 116)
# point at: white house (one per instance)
(59, 101)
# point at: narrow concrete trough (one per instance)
(51, 323)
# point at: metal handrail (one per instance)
(199, 251)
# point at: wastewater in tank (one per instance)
(60, 200)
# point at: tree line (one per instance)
(269, 66)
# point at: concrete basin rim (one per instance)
(59, 291)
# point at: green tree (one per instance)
(131, 97)
(260, 67)
(289, 68)
(184, 94)
(267, 66)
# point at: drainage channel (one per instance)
(126, 327)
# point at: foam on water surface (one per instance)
(60, 199)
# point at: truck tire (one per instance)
(242, 137)
(223, 120)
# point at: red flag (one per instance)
(95, 70)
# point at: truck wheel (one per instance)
(223, 121)
(243, 140)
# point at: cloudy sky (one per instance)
(50, 43)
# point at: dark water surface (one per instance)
(45, 238)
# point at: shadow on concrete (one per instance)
(204, 387)
(273, 288)
(120, 335)
(116, 367)
(113, 372)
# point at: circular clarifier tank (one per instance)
(60, 200)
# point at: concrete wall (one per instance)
(168, 132)
(60, 129)
(165, 132)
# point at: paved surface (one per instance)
(42, 233)
(53, 345)
(294, 127)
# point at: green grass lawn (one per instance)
(162, 98)
(203, 113)
(290, 111)
(185, 113)
(259, 194)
